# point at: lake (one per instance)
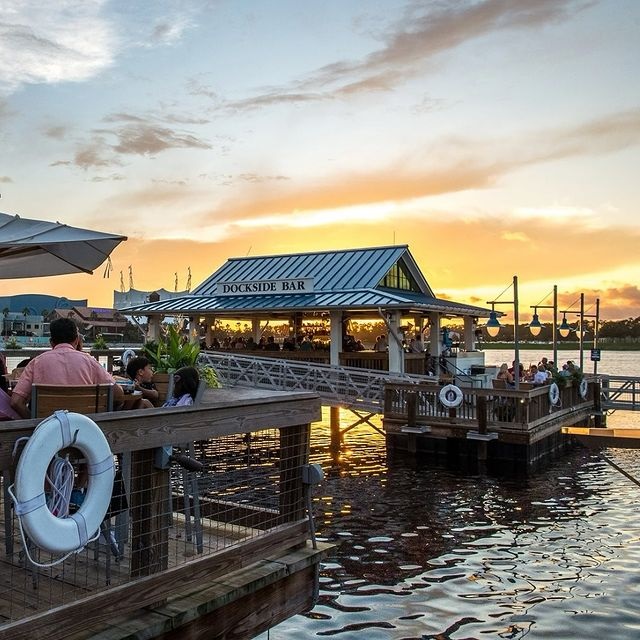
(425, 552)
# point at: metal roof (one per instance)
(348, 269)
(346, 280)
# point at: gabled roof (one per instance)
(350, 279)
(344, 270)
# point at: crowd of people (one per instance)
(67, 364)
(537, 374)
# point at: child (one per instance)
(185, 386)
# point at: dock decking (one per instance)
(166, 568)
(504, 425)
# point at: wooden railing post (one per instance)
(294, 445)
(597, 404)
(481, 409)
(411, 401)
(149, 500)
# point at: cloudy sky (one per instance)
(494, 137)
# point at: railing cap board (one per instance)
(234, 411)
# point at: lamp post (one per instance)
(565, 328)
(535, 327)
(596, 326)
(493, 328)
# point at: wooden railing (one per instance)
(414, 363)
(250, 498)
(505, 409)
(620, 392)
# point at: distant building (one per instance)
(92, 321)
(125, 299)
(23, 314)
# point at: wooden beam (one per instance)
(148, 428)
(64, 621)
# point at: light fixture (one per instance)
(564, 329)
(534, 326)
(493, 326)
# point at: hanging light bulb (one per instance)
(564, 329)
(534, 326)
(493, 326)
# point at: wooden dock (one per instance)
(243, 565)
(507, 429)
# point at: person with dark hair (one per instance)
(64, 364)
(185, 387)
(139, 370)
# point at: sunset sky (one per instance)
(494, 137)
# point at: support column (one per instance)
(335, 317)
(194, 332)
(396, 353)
(209, 333)
(255, 329)
(469, 335)
(153, 328)
(435, 346)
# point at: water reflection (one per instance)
(423, 552)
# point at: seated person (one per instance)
(185, 387)
(64, 364)
(540, 377)
(139, 370)
(505, 374)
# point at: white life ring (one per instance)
(584, 387)
(451, 396)
(61, 430)
(126, 356)
(554, 394)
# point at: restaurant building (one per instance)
(383, 283)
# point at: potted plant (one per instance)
(172, 352)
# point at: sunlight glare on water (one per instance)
(422, 552)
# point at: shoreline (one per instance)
(564, 346)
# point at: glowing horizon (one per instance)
(492, 138)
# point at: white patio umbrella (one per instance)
(34, 248)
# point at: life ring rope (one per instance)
(449, 400)
(69, 534)
(126, 356)
(584, 388)
(554, 394)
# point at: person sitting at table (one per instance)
(505, 374)
(540, 377)
(185, 387)
(139, 370)
(64, 364)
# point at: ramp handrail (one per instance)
(347, 386)
(620, 392)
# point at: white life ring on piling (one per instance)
(584, 387)
(554, 394)
(126, 356)
(59, 431)
(451, 396)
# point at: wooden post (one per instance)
(294, 444)
(411, 400)
(597, 404)
(334, 426)
(481, 410)
(149, 527)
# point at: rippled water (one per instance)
(423, 552)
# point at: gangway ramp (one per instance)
(620, 392)
(348, 387)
